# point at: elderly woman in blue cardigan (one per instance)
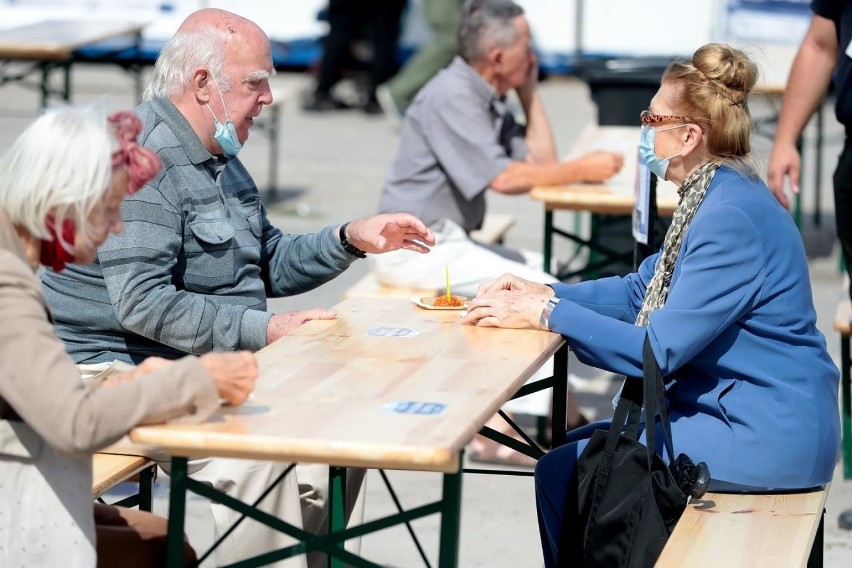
(726, 304)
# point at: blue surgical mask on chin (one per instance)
(225, 134)
(646, 149)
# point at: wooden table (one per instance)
(386, 385)
(613, 197)
(50, 45)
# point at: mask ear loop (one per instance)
(665, 128)
(221, 98)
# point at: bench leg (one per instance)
(846, 404)
(146, 486)
(336, 508)
(815, 558)
(450, 519)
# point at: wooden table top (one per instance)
(615, 196)
(56, 40)
(362, 391)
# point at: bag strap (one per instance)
(655, 401)
(627, 412)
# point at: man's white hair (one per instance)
(61, 165)
(184, 52)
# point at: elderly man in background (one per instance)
(198, 257)
(459, 140)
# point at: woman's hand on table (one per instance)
(508, 301)
(234, 374)
(506, 308)
(516, 284)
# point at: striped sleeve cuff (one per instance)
(253, 329)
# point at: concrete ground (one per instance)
(331, 169)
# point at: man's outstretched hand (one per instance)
(388, 232)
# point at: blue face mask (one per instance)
(646, 149)
(225, 134)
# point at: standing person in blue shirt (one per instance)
(727, 305)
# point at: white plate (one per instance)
(425, 303)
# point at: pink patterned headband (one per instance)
(142, 164)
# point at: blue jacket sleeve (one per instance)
(715, 283)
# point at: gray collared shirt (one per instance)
(457, 137)
(192, 270)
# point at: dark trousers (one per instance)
(130, 538)
(552, 481)
(843, 205)
(347, 19)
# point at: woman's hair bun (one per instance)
(727, 67)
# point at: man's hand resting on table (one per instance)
(599, 165)
(282, 324)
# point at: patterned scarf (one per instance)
(691, 194)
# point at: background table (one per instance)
(48, 46)
(613, 197)
(386, 385)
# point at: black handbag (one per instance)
(624, 500)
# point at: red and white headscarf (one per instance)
(142, 164)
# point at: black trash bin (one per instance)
(621, 89)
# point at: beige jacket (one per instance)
(50, 422)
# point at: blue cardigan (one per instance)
(755, 394)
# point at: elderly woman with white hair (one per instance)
(61, 185)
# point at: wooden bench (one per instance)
(843, 325)
(493, 230)
(749, 531)
(108, 470)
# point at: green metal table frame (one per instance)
(449, 506)
(143, 498)
(600, 255)
(45, 69)
(846, 403)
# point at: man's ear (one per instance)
(495, 58)
(201, 84)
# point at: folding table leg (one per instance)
(450, 520)
(177, 512)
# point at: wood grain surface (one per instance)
(332, 391)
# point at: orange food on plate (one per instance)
(451, 302)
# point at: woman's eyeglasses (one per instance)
(647, 118)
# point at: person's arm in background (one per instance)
(542, 166)
(541, 146)
(808, 82)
